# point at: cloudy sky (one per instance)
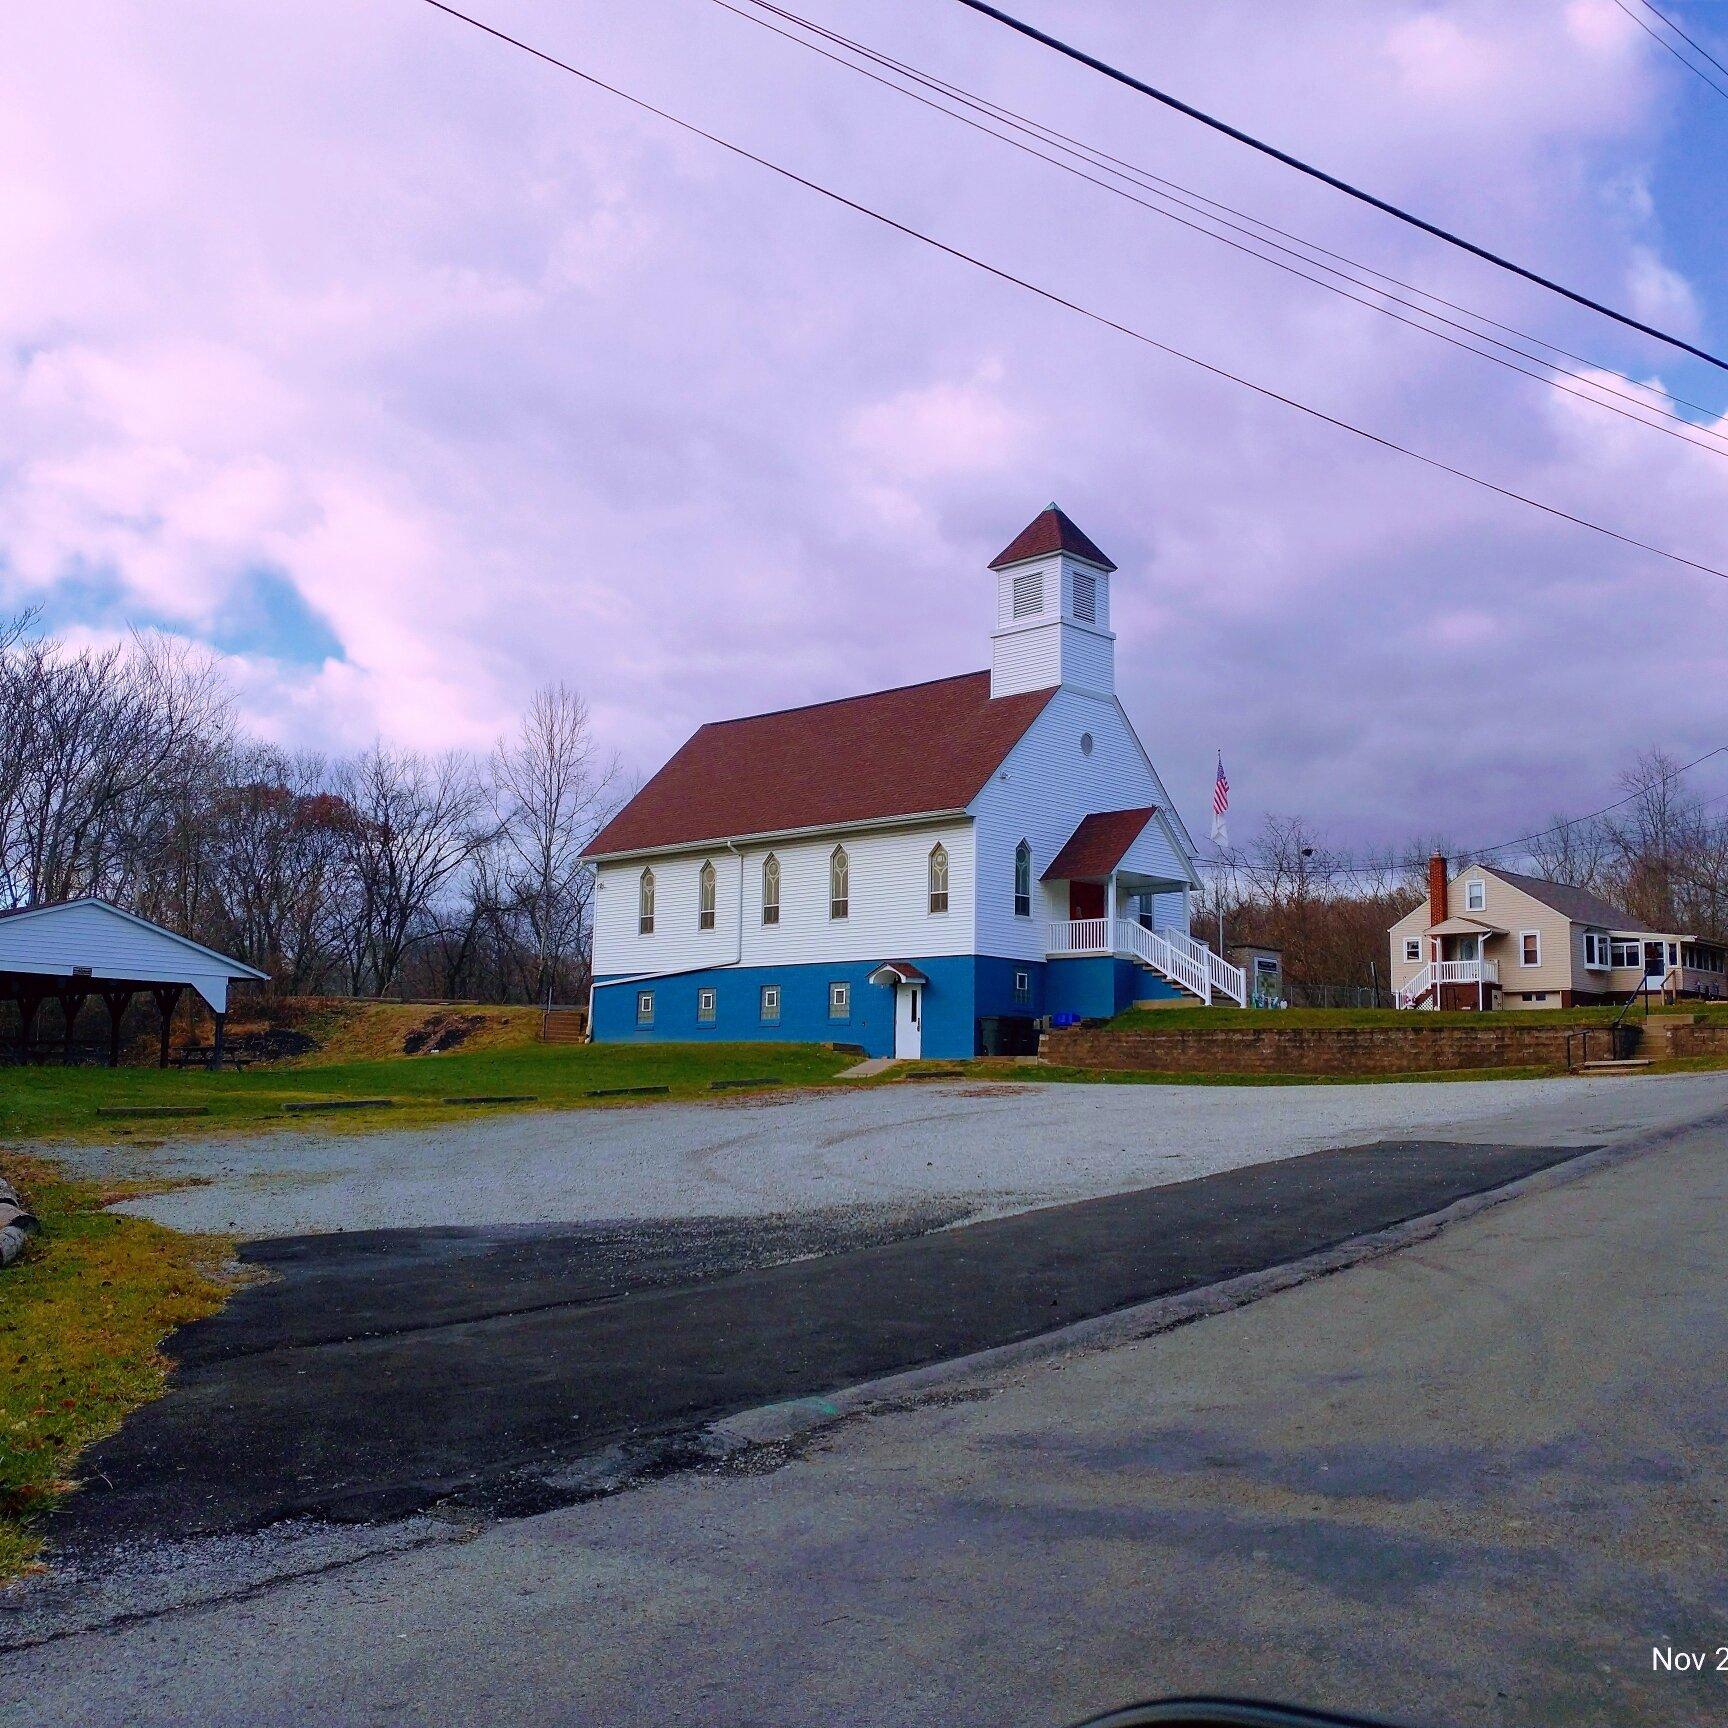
(410, 373)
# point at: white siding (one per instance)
(86, 933)
(1040, 793)
(889, 915)
(1088, 660)
(1025, 658)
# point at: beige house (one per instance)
(1491, 938)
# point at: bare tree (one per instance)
(411, 823)
(550, 793)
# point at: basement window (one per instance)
(771, 1003)
(707, 1006)
(644, 1007)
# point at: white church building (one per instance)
(898, 870)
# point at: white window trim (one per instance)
(1409, 943)
(839, 1000)
(762, 1004)
(938, 857)
(1476, 895)
(773, 878)
(644, 997)
(707, 1005)
(1521, 960)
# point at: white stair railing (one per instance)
(1227, 980)
(1419, 986)
(1176, 963)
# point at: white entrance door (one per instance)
(908, 1022)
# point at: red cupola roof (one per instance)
(1051, 530)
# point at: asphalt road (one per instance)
(385, 1373)
(1471, 1482)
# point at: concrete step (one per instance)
(1624, 1065)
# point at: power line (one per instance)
(1191, 199)
(1127, 78)
(1657, 37)
(1177, 193)
(1099, 318)
(1708, 439)
(1690, 41)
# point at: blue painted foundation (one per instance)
(963, 989)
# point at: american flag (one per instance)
(1220, 803)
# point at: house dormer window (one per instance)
(1029, 594)
(770, 889)
(1022, 880)
(839, 883)
(1085, 597)
(938, 878)
(645, 903)
(705, 896)
(1475, 895)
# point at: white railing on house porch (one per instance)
(1426, 983)
(1170, 953)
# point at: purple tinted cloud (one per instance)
(513, 383)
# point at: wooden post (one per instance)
(71, 1005)
(216, 1043)
(29, 1006)
(167, 996)
(118, 1002)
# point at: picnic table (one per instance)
(204, 1056)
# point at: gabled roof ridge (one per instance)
(1578, 905)
(233, 967)
(883, 755)
(841, 701)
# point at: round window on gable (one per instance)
(1085, 743)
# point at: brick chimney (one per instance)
(1436, 889)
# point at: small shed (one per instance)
(1264, 969)
(77, 949)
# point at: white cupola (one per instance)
(1052, 611)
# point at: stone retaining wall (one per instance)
(1275, 1049)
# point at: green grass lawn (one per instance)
(82, 1313)
(1187, 1019)
(51, 1103)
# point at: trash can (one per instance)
(1007, 1035)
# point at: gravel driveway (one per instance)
(998, 1148)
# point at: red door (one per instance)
(1085, 899)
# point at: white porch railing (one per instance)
(1427, 982)
(1170, 953)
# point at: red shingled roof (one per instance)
(1096, 847)
(893, 753)
(1049, 531)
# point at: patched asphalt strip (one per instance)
(385, 1373)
